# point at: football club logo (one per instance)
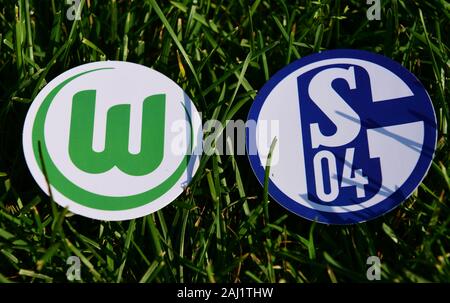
(100, 138)
(357, 134)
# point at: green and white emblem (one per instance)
(112, 140)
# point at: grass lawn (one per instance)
(220, 53)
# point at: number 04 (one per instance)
(357, 180)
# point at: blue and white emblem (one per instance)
(356, 134)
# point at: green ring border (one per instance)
(79, 195)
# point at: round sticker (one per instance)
(355, 135)
(112, 140)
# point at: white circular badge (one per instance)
(112, 140)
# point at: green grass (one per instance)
(224, 228)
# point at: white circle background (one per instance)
(126, 83)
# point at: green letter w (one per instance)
(117, 136)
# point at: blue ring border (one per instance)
(381, 208)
